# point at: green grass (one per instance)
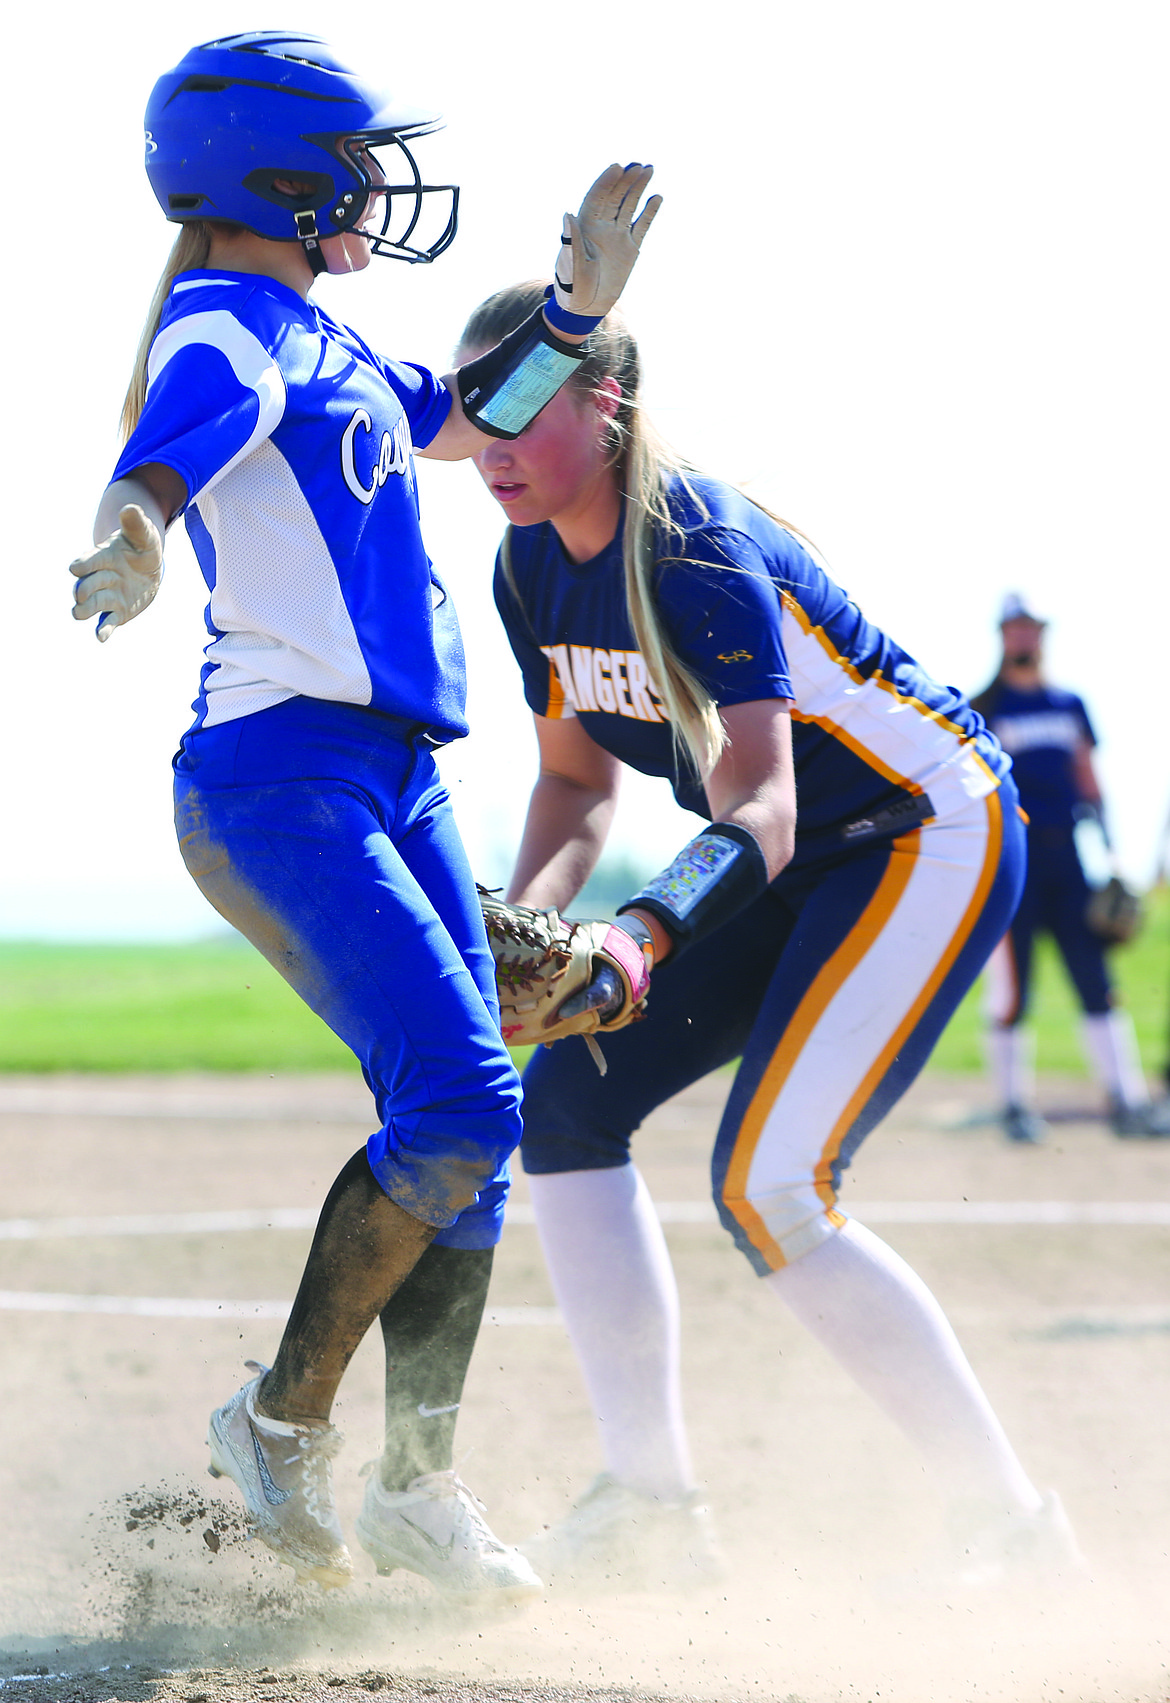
(1142, 972)
(217, 1005)
(214, 1005)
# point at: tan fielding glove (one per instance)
(544, 961)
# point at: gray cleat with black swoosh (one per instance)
(434, 1527)
(283, 1473)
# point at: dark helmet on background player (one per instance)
(238, 115)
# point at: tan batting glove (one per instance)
(599, 246)
(119, 579)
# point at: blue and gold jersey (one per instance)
(1041, 732)
(878, 745)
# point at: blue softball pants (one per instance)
(323, 833)
(832, 988)
(1055, 898)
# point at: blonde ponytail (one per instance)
(192, 247)
(651, 538)
(649, 525)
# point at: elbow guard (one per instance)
(711, 880)
(504, 390)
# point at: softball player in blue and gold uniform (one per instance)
(863, 855)
(308, 806)
(1048, 735)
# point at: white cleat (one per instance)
(621, 1539)
(435, 1528)
(992, 1555)
(1017, 1551)
(283, 1473)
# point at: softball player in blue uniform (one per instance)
(1048, 735)
(662, 620)
(308, 805)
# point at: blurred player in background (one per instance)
(663, 621)
(308, 805)
(1047, 733)
(1162, 880)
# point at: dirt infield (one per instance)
(127, 1574)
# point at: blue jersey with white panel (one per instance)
(1041, 731)
(295, 443)
(879, 746)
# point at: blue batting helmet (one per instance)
(238, 116)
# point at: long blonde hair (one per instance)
(645, 467)
(190, 253)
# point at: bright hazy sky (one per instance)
(908, 286)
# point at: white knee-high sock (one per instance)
(614, 1283)
(1112, 1047)
(883, 1326)
(1010, 1053)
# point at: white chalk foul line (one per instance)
(1053, 1323)
(1057, 1212)
(926, 1212)
(1010, 1211)
(159, 1224)
(94, 1100)
(170, 1307)
(21, 1678)
(141, 1306)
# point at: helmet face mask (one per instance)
(271, 132)
(404, 208)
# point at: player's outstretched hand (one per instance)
(599, 246)
(119, 579)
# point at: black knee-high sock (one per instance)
(364, 1247)
(429, 1327)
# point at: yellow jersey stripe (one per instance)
(829, 979)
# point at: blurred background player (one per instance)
(663, 621)
(307, 802)
(1162, 881)
(1048, 735)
